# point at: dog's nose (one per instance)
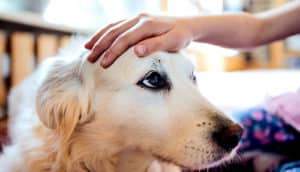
(228, 137)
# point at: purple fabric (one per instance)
(287, 107)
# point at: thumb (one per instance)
(151, 45)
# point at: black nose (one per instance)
(228, 137)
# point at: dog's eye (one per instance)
(154, 80)
(194, 78)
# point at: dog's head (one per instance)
(151, 104)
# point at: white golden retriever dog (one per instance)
(73, 116)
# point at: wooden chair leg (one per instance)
(22, 56)
(2, 81)
(47, 45)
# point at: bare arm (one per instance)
(150, 33)
(280, 23)
(245, 30)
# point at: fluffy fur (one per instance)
(74, 116)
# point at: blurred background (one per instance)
(32, 30)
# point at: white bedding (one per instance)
(238, 90)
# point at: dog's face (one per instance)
(150, 104)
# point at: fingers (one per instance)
(171, 41)
(107, 38)
(132, 36)
(90, 44)
(149, 33)
(144, 48)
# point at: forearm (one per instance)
(156, 33)
(245, 30)
(280, 23)
(228, 30)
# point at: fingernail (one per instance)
(90, 58)
(104, 60)
(87, 45)
(140, 50)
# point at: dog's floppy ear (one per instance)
(63, 98)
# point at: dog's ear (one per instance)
(63, 98)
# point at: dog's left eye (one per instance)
(154, 80)
(194, 78)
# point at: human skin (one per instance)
(149, 33)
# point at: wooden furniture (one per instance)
(26, 39)
(277, 54)
(2, 83)
(22, 56)
(47, 45)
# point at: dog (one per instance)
(138, 115)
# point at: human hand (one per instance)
(147, 33)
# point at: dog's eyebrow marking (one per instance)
(154, 65)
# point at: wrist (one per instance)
(257, 26)
(188, 25)
(198, 28)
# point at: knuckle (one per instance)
(98, 45)
(112, 31)
(141, 15)
(109, 53)
(120, 46)
(117, 47)
(103, 41)
(149, 23)
(110, 25)
(154, 46)
(124, 39)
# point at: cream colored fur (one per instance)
(74, 116)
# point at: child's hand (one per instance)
(150, 33)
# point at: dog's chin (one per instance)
(222, 158)
(228, 157)
(170, 161)
(216, 163)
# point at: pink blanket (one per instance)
(287, 107)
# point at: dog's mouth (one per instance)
(170, 161)
(215, 163)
